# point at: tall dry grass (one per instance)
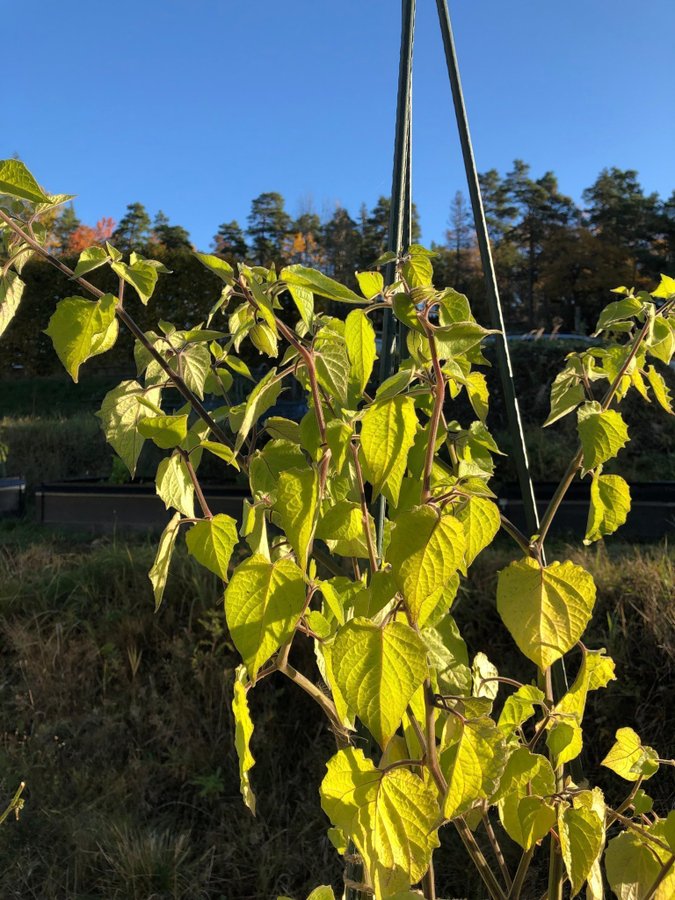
(119, 720)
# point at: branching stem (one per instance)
(131, 324)
(439, 398)
(575, 464)
(197, 486)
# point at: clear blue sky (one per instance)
(197, 106)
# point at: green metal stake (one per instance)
(515, 424)
(400, 218)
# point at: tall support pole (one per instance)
(559, 675)
(400, 188)
(400, 211)
(494, 302)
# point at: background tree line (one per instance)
(555, 260)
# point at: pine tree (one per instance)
(342, 243)
(229, 242)
(619, 211)
(459, 235)
(268, 225)
(542, 209)
(64, 227)
(133, 231)
(173, 237)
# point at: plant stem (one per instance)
(575, 464)
(517, 535)
(430, 738)
(319, 697)
(497, 850)
(476, 854)
(521, 873)
(130, 323)
(429, 883)
(557, 498)
(428, 742)
(555, 868)
(611, 815)
(649, 838)
(667, 866)
(197, 486)
(439, 397)
(15, 803)
(555, 873)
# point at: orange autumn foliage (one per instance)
(84, 236)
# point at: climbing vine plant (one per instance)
(362, 520)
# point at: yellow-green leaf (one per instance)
(472, 759)
(610, 505)
(243, 731)
(91, 259)
(165, 431)
(263, 603)
(296, 507)
(629, 758)
(564, 738)
(360, 338)
(121, 414)
(323, 892)
(392, 817)
(194, 366)
(262, 397)
(448, 656)
(566, 394)
(479, 396)
(545, 608)
(175, 486)
(378, 670)
(338, 438)
(663, 340)
(212, 541)
(81, 328)
(17, 181)
(160, 568)
(618, 311)
(666, 288)
(582, 834)
(218, 266)
(342, 528)
(660, 389)
(332, 363)
(304, 301)
(319, 283)
(519, 707)
(142, 275)
(222, 451)
(370, 283)
(602, 434)
(480, 520)
(594, 801)
(633, 865)
(11, 291)
(425, 552)
(387, 434)
(526, 816)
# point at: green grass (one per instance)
(119, 721)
